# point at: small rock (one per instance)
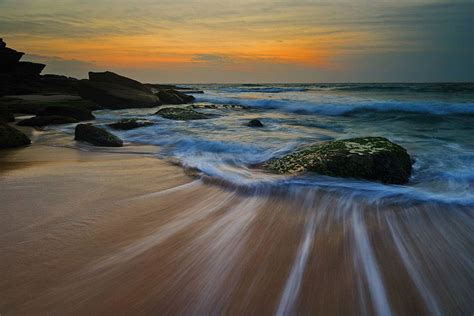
(40, 121)
(6, 116)
(11, 137)
(128, 124)
(96, 136)
(181, 114)
(255, 123)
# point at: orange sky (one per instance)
(306, 39)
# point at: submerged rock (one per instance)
(181, 114)
(128, 124)
(11, 137)
(96, 136)
(370, 158)
(170, 96)
(255, 123)
(40, 121)
(80, 114)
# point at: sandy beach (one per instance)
(122, 233)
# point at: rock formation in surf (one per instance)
(370, 158)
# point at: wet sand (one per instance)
(120, 233)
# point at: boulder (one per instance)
(114, 78)
(11, 137)
(127, 124)
(370, 158)
(170, 96)
(115, 96)
(39, 121)
(80, 114)
(255, 123)
(9, 58)
(96, 136)
(181, 114)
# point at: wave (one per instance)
(262, 89)
(335, 109)
(399, 87)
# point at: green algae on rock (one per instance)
(181, 114)
(11, 137)
(96, 136)
(370, 158)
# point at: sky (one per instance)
(222, 41)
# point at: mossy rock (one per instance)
(39, 121)
(127, 124)
(181, 114)
(96, 136)
(69, 111)
(11, 137)
(370, 158)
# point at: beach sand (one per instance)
(123, 233)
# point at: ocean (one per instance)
(434, 122)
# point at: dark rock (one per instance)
(11, 137)
(181, 114)
(40, 121)
(6, 116)
(156, 87)
(255, 123)
(96, 136)
(114, 96)
(370, 158)
(2, 43)
(9, 59)
(111, 77)
(190, 91)
(69, 111)
(170, 96)
(127, 124)
(28, 68)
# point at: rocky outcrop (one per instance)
(181, 114)
(370, 158)
(170, 96)
(111, 77)
(116, 92)
(40, 121)
(96, 136)
(80, 114)
(127, 124)
(11, 137)
(255, 123)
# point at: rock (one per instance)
(96, 136)
(170, 96)
(181, 114)
(370, 158)
(255, 123)
(40, 121)
(28, 68)
(114, 78)
(79, 114)
(114, 96)
(128, 124)
(11, 137)
(6, 116)
(190, 91)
